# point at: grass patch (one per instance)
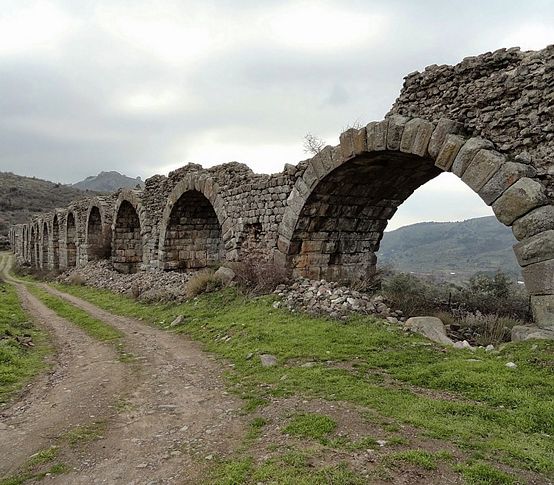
(292, 468)
(94, 327)
(81, 435)
(310, 425)
(34, 468)
(480, 473)
(420, 458)
(505, 414)
(18, 363)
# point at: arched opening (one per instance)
(192, 235)
(445, 232)
(96, 247)
(127, 241)
(71, 241)
(341, 224)
(45, 244)
(33, 248)
(55, 243)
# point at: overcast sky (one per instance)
(143, 87)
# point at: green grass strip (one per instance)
(94, 327)
(19, 363)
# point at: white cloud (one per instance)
(35, 28)
(531, 36)
(323, 26)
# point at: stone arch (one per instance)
(45, 245)
(339, 207)
(127, 245)
(55, 242)
(192, 232)
(71, 224)
(97, 233)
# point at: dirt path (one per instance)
(84, 378)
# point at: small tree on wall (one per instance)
(313, 144)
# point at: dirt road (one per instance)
(167, 413)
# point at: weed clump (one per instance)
(204, 281)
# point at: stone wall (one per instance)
(483, 120)
(506, 96)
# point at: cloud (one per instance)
(145, 86)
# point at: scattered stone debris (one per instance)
(525, 332)
(320, 297)
(144, 285)
(178, 321)
(511, 365)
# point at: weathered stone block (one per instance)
(395, 130)
(347, 144)
(447, 154)
(508, 174)
(467, 152)
(539, 278)
(543, 311)
(523, 196)
(376, 132)
(444, 128)
(539, 247)
(416, 136)
(483, 166)
(538, 220)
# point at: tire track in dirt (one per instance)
(80, 387)
(178, 418)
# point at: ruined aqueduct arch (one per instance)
(488, 120)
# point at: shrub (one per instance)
(411, 295)
(492, 329)
(204, 281)
(257, 276)
(76, 279)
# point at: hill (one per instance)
(108, 182)
(443, 248)
(20, 197)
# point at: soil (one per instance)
(165, 415)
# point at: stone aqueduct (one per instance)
(489, 120)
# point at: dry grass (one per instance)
(204, 281)
(256, 276)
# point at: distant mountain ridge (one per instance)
(442, 248)
(21, 197)
(108, 182)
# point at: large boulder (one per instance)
(430, 327)
(524, 332)
(225, 275)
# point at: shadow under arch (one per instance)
(127, 244)
(337, 211)
(71, 227)
(192, 234)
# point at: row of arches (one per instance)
(191, 238)
(329, 223)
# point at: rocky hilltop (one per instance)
(108, 182)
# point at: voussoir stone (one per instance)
(523, 196)
(508, 174)
(416, 136)
(538, 220)
(430, 327)
(467, 152)
(539, 247)
(444, 128)
(376, 133)
(483, 166)
(449, 150)
(395, 130)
